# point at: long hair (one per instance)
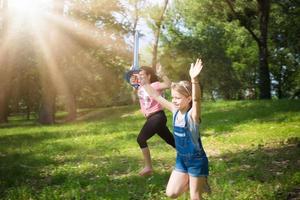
(150, 71)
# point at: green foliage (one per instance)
(253, 147)
(83, 55)
(190, 35)
(88, 51)
(285, 58)
(243, 52)
(25, 85)
(101, 61)
(227, 41)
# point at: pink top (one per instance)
(148, 104)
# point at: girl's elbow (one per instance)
(195, 117)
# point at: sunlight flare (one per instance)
(27, 8)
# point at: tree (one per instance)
(158, 20)
(242, 50)
(189, 34)
(285, 45)
(48, 64)
(25, 93)
(5, 69)
(246, 14)
(101, 52)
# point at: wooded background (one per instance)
(73, 54)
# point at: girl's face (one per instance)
(180, 101)
(144, 76)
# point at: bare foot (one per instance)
(146, 171)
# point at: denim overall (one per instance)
(191, 157)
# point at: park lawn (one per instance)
(253, 149)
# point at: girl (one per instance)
(156, 119)
(191, 168)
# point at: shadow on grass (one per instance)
(105, 173)
(112, 177)
(275, 170)
(39, 134)
(86, 115)
(47, 166)
(20, 123)
(66, 170)
(108, 113)
(224, 119)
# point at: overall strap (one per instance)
(175, 117)
(179, 131)
(186, 117)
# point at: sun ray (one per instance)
(28, 7)
(82, 32)
(88, 34)
(50, 60)
(58, 36)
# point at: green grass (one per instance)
(253, 149)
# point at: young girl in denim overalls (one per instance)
(191, 168)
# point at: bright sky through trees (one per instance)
(28, 7)
(53, 36)
(31, 12)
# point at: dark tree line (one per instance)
(249, 47)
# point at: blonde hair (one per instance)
(183, 87)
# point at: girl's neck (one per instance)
(184, 110)
(148, 82)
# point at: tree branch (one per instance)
(231, 7)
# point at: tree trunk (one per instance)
(264, 74)
(47, 112)
(71, 107)
(212, 96)
(279, 80)
(157, 34)
(28, 112)
(4, 68)
(49, 91)
(5, 79)
(47, 109)
(3, 105)
(155, 48)
(262, 42)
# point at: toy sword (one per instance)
(132, 75)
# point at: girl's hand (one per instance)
(134, 79)
(142, 81)
(159, 70)
(196, 69)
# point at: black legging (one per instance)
(156, 123)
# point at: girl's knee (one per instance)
(172, 194)
(142, 143)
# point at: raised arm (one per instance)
(196, 91)
(155, 95)
(166, 83)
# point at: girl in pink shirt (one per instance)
(156, 119)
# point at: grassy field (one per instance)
(253, 149)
